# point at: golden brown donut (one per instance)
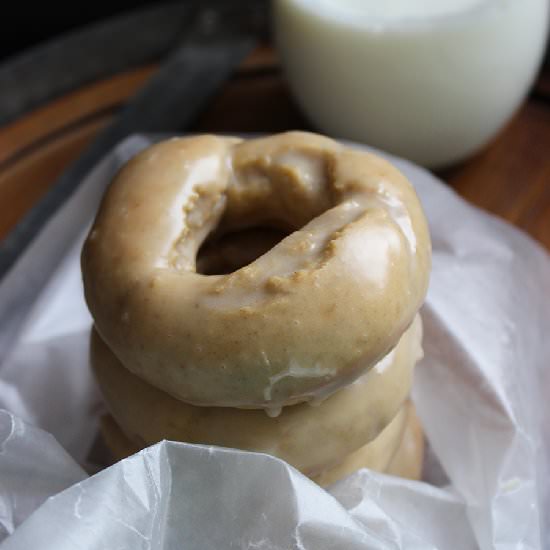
(116, 440)
(409, 458)
(405, 443)
(311, 438)
(398, 450)
(308, 317)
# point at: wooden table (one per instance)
(510, 178)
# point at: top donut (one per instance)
(312, 314)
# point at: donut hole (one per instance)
(223, 253)
(263, 203)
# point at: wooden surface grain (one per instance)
(510, 177)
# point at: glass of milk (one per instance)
(429, 80)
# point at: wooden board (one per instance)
(510, 178)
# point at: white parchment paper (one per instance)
(482, 393)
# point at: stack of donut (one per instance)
(303, 347)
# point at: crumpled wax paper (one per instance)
(481, 392)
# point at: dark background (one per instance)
(26, 24)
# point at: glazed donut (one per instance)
(310, 438)
(308, 317)
(398, 450)
(409, 458)
(118, 443)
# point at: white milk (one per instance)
(430, 80)
(390, 10)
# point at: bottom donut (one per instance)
(310, 438)
(398, 450)
(400, 456)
